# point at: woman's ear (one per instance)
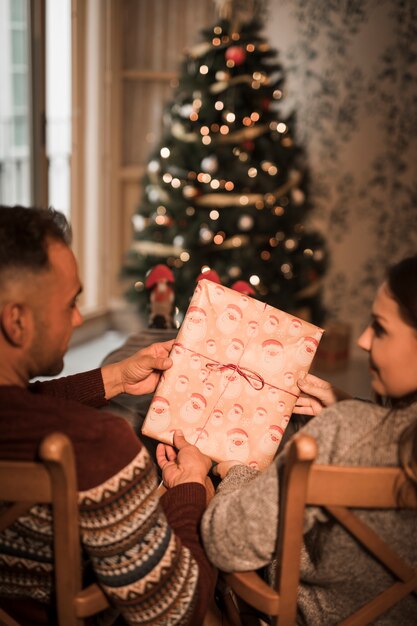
(14, 319)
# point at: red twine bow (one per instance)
(255, 380)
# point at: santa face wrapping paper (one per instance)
(232, 386)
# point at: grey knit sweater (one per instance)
(337, 576)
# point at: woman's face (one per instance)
(392, 347)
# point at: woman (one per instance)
(239, 526)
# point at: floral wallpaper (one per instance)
(351, 78)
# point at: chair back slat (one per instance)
(358, 487)
(30, 480)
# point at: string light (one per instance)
(204, 69)
(165, 153)
(290, 244)
(219, 105)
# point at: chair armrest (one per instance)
(90, 601)
(255, 591)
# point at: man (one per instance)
(145, 552)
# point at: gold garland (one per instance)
(243, 134)
(233, 199)
(177, 129)
(156, 249)
(222, 85)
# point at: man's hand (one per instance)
(139, 373)
(316, 394)
(182, 462)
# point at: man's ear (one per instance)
(14, 319)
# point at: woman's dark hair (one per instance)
(24, 236)
(402, 285)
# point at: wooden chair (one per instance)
(336, 489)
(53, 481)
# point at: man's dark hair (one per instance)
(25, 233)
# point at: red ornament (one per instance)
(243, 287)
(236, 54)
(265, 104)
(248, 145)
(210, 275)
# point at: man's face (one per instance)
(55, 312)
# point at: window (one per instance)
(15, 109)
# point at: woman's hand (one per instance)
(222, 468)
(316, 394)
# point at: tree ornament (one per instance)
(159, 283)
(243, 287)
(245, 222)
(190, 192)
(210, 164)
(138, 222)
(248, 145)
(185, 110)
(265, 104)
(210, 275)
(237, 54)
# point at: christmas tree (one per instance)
(226, 188)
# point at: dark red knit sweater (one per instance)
(117, 481)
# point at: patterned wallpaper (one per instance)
(351, 69)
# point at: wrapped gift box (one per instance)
(232, 386)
